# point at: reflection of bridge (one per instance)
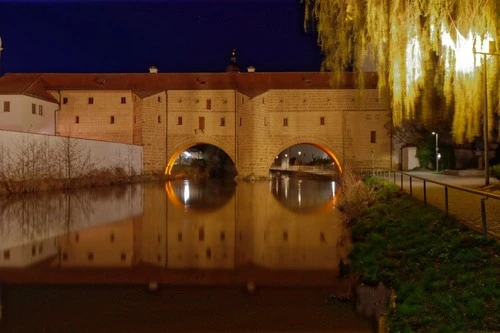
(328, 170)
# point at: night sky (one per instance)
(175, 36)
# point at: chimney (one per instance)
(153, 70)
(250, 69)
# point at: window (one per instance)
(285, 235)
(91, 100)
(40, 110)
(90, 255)
(322, 120)
(159, 119)
(223, 121)
(159, 99)
(6, 254)
(65, 100)
(209, 104)
(112, 120)
(33, 251)
(6, 106)
(179, 120)
(123, 257)
(201, 234)
(135, 119)
(179, 237)
(240, 121)
(33, 108)
(285, 121)
(201, 123)
(222, 236)
(124, 100)
(65, 256)
(77, 120)
(209, 253)
(373, 137)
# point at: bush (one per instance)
(495, 171)
(355, 196)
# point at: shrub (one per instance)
(355, 196)
(495, 171)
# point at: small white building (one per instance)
(27, 107)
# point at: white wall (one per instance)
(102, 154)
(409, 158)
(21, 118)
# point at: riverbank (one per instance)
(444, 276)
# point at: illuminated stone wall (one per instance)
(252, 131)
(201, 116)
(97, 115)
(152, 124)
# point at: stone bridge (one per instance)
(250, 116)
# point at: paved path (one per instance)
(465, 206)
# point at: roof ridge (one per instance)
(38, 77)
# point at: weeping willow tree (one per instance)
(429, 54)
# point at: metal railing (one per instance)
(408, 183)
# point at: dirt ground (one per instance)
(86, 308)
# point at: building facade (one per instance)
(251, 116)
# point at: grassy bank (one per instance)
(445, 278)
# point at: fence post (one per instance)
(411, 186)
(446, 199)
(483, 217)
(425, 193)
(401, 181)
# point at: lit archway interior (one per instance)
(200, 161)
(306, 155)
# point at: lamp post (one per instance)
(437, 150)
(485, 114)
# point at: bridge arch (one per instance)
(177, 149)
(307, 141)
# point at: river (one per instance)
(182, 256)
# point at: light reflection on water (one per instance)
(281, 233)
(284, 224)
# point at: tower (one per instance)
(233, 66)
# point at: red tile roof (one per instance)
(145, 84)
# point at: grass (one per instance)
(445, 277)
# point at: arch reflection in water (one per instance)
(245, 227)
(304, 195)
(200, 195)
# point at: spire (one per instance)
(1, 49)
(233, 65)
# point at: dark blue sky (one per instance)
(176, 36)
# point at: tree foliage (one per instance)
(423, 52)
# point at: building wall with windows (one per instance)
(105, 116)
(203, 116)
(27, 114)
(251, 116)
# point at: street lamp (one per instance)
(485, 115)
(437, 150)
